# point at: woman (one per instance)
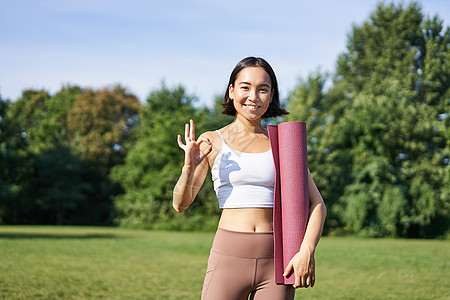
(240, 160)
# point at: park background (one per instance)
(84, 154)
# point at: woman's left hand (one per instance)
(304, 267)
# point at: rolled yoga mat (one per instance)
(291, 199)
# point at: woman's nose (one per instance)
(253, 95)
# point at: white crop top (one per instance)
(243, 179)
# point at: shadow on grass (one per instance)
(21, 235)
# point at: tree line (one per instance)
(378, 141)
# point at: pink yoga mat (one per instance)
(291, 199)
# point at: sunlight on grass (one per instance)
(109, 263)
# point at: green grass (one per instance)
(110, 263)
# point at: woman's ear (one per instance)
(231, 91)
(271, 95)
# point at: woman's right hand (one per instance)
(192, 149)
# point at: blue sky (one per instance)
(196, 43)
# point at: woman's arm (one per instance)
(303, 262)
(188, 185)
(195, 168)
(317, 214)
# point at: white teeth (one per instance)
(251, 106)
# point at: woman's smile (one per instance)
(251, 93)
(252, 106)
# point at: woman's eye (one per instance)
(264, 91)
(245, 88)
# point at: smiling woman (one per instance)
(256, 66)
(253, 84)
(239, 157)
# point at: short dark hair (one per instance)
(274, 109)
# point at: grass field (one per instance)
(110, 263)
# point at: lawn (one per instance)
(38, 262)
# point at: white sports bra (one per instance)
(243, 179)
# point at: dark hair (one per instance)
(274, 109)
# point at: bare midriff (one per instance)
(247, 219)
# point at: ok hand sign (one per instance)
(193, 154)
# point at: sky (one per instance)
(196, 43)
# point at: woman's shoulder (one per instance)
(213, 137)
(210, 135)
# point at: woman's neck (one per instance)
(246, 126)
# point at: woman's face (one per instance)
(251, 93)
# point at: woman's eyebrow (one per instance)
(248, 83)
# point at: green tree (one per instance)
(153, 166)
(380, 133)
(59, 151)
(62, 189)
(42, 118)
(18, 122)
(310, 103)
(27, 113)
(102, 120)
(44, 178)
(51, 128)
(98, 126)
(8, 159)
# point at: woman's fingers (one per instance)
(192, 131)
(302, 281)
(202, 139)
(309, 281)
(180, 143)
(189, 131)
(186, 133)
(298, 282)
(205, 153)
(303, 277)
(288, 269)
(192, 146)
(306, 280)
(189, 135)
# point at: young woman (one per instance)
(240, 160)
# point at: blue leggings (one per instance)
(241, 265)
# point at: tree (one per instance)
(379, 135)
(51, 128)
(153, 166)
(18, 121)
(62, 191)
(310, 103)
(59, 165)
(7, 160)
(98, 126)
(102, 119)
